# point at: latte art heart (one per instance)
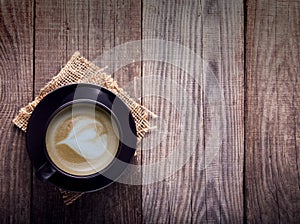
(87, 138)
(82, 139)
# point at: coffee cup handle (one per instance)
(45, 171)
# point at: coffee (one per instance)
(82, 139)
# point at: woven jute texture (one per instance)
(80, 70)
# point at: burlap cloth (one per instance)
(80, 70)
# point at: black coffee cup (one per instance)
(63, 100)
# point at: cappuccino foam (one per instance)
(82, 139)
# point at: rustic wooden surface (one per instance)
(273, 108)
(16, 76)
(252, 47)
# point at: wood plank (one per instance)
(168, 201)
(223, 43)
(273, 50)
(214, 30)
(52, 32)
(90, 27)
(111, 23)
(16, 41)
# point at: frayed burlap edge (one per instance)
(80, 70)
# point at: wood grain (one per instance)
(223, 50)
(214, 30)
(16, 68)
(272, 174)
(168, 200)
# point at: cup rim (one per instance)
(64, 106)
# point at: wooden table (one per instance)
(253, 47)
